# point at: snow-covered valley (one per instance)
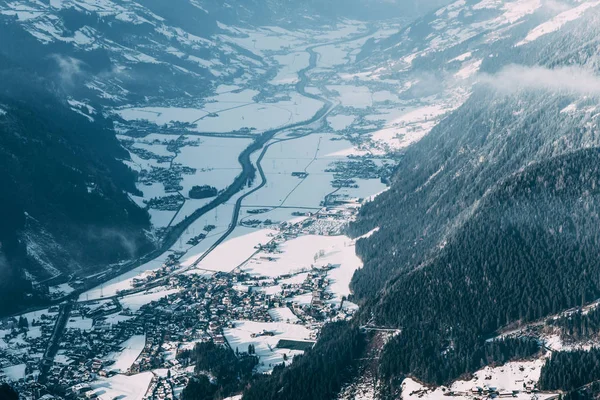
(250, 174)
(276, 243)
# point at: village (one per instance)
(149, 327)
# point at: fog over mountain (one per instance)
(272, 199)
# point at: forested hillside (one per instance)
(491, 220)
(529, 250)
(579, 325)
(571, 370)
(64, 205)
(318, 374)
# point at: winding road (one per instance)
(262, 141)
(247, 175)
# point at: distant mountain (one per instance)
(118, 52)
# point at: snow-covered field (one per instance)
(236, 249)
(312, 154)
(266, 346)
(353, 96)
(136, 301)
(123, 281)
(340, 122)
(508, 378)
(300, 254)
(231, 112)
(123, 387)
(215, 161)
(131, 349)
(297, 255)
(14, 372)
(283, 314)
(290, 65)
(81, 323)
(402, 128)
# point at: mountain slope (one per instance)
(491, 219)
(528, 251)
(67, 190)
(498, 131)
(63, 200)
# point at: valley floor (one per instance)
(266, 267)
(291, 150)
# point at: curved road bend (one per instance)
(248, 170)
(238, 184)
(244, 158)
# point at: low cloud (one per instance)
(69, 69)
(556, 6)
(568, 80)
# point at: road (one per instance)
(52, 349)
(244, 159)
(247, 175)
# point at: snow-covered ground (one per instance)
(231, 112)
(81, 323)
(123, 281)
(512, 376)
(136, 301)
(304, 252)
(14, 372)
(290, 65)
(283, 314)
(557, 22)
(131, 349)
(215, 161)
(236, 249)
(123, 387)
(61, 290)
(403, 128)
(340, 122)
(266, 346)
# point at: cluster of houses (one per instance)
(480, 392)
(166, 203)
(170, 177)
(23, 343)
(198, 307)
(360, 168)
(327, 222)
(148, 155)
